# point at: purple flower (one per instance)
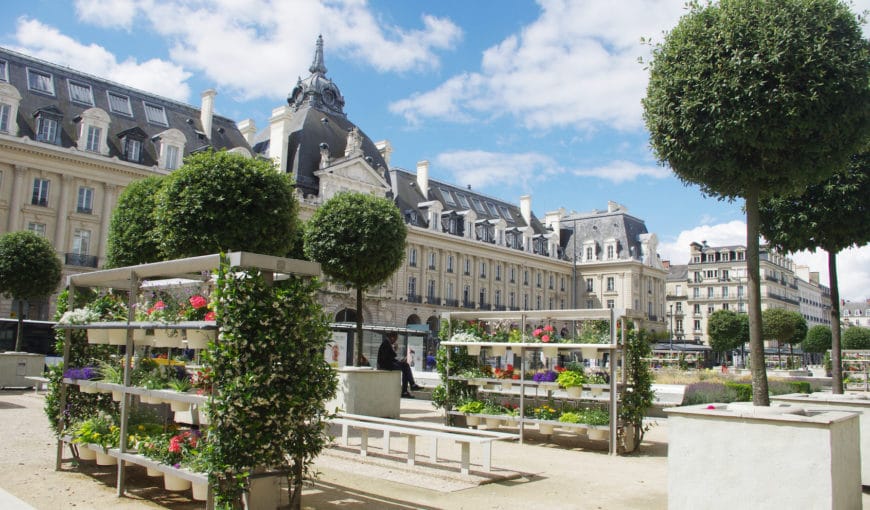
(547, 376)
(80, 373)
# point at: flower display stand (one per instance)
(752, 449)
(198, 338)
(98, 336)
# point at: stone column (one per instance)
(109, 192)
(60, 237)
(14, 220)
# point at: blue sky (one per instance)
(512, 97)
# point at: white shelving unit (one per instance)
(130, 279)
(521, 319)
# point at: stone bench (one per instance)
(412, 430)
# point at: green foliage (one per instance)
(727, 330)
(460, 391)
(639, 396)
(358, 239)
(270, 378)
(743, 391)
(219, 201)
(783, 325)
(133, 235)
(818, 339)
(471, 407)
(856, 337)
(707, 392)
(570, 378)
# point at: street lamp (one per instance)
(671, 336)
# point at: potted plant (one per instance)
(181, 385)
(598, 420)
(598, 380)
(465, 336)
(101, 430)
(575, 418)
(546, 412)
(112, 373)
(470, 409)
(492, 410)
(572, 381)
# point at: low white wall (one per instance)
(362, 390)
(855, 402)
(746, 457)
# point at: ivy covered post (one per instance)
(639, 396)
(271, 382)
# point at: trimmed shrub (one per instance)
(708, 392)
(742, 390)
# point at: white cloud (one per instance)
(256, 48)
(853, 265)
(576, 65)
(155, 75)
(621, 171)
(107, 13)
(481, 168)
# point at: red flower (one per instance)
(548, 328)
(545, 338)
(160, 305)
(210, 316)
(197, 301)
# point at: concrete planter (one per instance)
(726, 457)
(362, 390)
(855, 402)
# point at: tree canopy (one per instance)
(856, 337)
(727, 330)
(132, 231)
(29, 269)
(747, 99)
(220, 201)
(784, 326)
(818, 339)
(358, 239)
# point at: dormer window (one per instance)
(155, 114)
(48, 125)
(93, 139)
(5, 115)
(81, 93)
(171, 149)
(41, 82)
(10, 98)
(119, 103)
(463, 201)
(448, 197)
(92, 134)
(170, 157)
(4, 71)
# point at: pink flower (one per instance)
(537, 332)
(197, 301)
(711, 406)
(548, 328)
(210, 316)
(545, 338)
(160, 305)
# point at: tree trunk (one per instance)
(836, 358)
(19, 334)
(760, 396)
(358, 339)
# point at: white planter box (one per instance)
(15, 366)
(858, 403)
(745, 456)
(368, 392)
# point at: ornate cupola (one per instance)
(317, 90)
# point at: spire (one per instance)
(318, 66)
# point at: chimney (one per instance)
(386, 149)
(279, 136)
(423, 178)
(526, 208)
(207, 111)
(248, 129)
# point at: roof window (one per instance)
(4, 71)
(448, 196)
(463, 201)
(39, 81)
(81, 93)
(155, 114)
(119, 104)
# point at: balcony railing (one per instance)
(80, 260)
(433, 300)
(485, 306)
(85, 210)
(451, 302)
(468, 304)
(415, 298)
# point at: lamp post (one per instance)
(671, 335)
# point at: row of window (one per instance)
(81, 93)
(467, 298)
(40, 196)
(81, 238)
(711, 292)
(468, 202)
(432, 265)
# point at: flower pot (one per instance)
(141, 338)
(551, 351)
(146, 399)
(596, 391)
(200, 491)
(199, 338)
(167, 338)
(589, 352)
(493, 422)
(117, 336)
(546, 428)
(117, 395)
(472, 420)
(579, 430)
(174, 483)
(86, 453)
(499, 350)
(597, 434)
(506, 385)
(88, 387)
(153, 472)
(104, 459)
(574, 391)
(179, 407)
(98, 336)
(473, 350)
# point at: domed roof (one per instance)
(318, 118)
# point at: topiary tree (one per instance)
(818, 340)
(358, 239)
(133, 235)
(726, 330)
(815, 220)
(29, 269)
(784, 326)
(748, 98)
(220, 201)
(856, 337)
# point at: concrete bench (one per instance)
(464, 437)
(41, 382)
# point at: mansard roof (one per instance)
(600, 227)
(183, 117)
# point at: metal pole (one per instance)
(671, 336)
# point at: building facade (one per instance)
(71, 142)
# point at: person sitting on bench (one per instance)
(387, 361)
